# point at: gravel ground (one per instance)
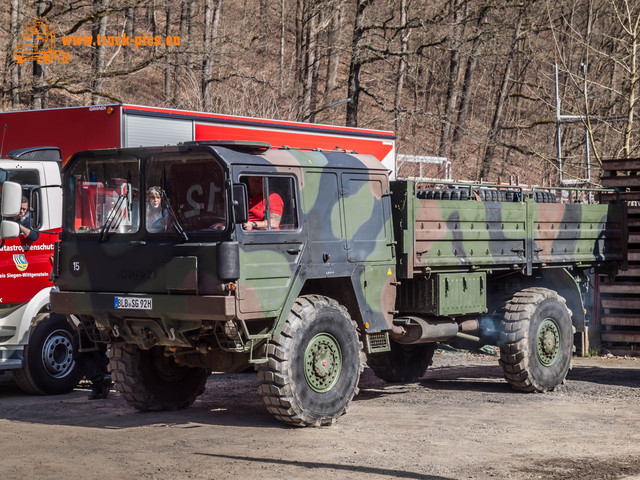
(460, 421)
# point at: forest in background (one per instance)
(470, 80)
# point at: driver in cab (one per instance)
(258, 208)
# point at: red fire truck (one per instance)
(117, 126)
(35, 343)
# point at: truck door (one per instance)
(271, 242)
(25, 263)
(367, 213)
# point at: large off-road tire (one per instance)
(150, 381)
(536, 340)
(48, 367)
(403, 363)
(313, 365)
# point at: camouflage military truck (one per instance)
(342, 261)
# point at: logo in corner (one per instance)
(21, 261)
(38, 44)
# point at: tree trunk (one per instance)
(634, 78)
(211, 23)
(282, 43)
(299, 61)
(39, 97)
(402, 64)
(15, 22)
(333, 63)
(355, 65)
(167, 60)
(452, 83)
(467, 85)
(505, 84)
(129, 29)
(98, 31)
(181, 56)
(309, 56)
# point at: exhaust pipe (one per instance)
(413, 330)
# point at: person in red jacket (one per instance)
(258, 208)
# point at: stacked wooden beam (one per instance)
(620, 296)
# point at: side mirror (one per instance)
(11, 199)
(240, 203)
(9, 229)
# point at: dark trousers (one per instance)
(91, 358)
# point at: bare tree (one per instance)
(15, 22)
(309, 64)
(628, 16)
(452, 83)
(211, 24)
(470, 69)
(39, 89)
(505, 84)
(402, 62)
(333, 62)
(167, 60)
(356, 63)
(98, 32)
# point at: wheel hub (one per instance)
(322, 362)
(548, 342)
(57, 354)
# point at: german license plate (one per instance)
(132, 303)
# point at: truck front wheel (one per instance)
(403, 363)
(536, 340)
(313, 365)
(151, 381)
(48, 366)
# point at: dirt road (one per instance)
(460, 421)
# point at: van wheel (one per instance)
(150, 381)
(313, 365)
(536, 340)
(403, 363)
(49, 367)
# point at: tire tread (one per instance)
(275, 384)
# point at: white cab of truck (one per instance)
(35, 343)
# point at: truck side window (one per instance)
(272, 203)
(29, 179)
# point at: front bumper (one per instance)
(176, 307)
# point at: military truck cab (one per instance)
(244, 246)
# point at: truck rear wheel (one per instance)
(150, 381)
(536, 340)
(48, 368)
(403, 363)
(313, 365)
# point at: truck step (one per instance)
(10, 363)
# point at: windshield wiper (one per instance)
(166, 203)
(115, 214)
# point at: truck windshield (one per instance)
(184, 194)
(105, 193)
